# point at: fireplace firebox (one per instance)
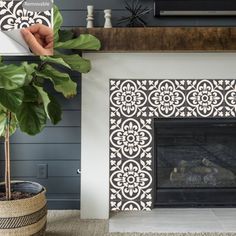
(195, 162)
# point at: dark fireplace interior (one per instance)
(195, 162)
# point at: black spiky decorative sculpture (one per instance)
(137, 11)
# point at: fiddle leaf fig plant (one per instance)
(25, 100)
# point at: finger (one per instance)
(49, 46)
(39, 39)
(49, 39)
(41, 29)
(32, 42)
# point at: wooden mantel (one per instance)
(165, 39)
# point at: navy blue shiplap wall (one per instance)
(59, 146)
(74, 12)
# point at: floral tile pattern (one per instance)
(14, 16)
(133, 106)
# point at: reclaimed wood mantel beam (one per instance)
(165, 39)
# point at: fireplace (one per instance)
(172, 143)
(195, 162)
(101, 118)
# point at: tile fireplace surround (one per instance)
(163, 86)
(133, 106)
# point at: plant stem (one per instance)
(7, 159)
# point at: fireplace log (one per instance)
(200, 174)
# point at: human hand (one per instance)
(39, 39)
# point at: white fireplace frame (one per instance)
(95, 108)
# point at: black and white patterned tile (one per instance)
(230, 98)
(14, 16)
(205, 98)
(133, 106)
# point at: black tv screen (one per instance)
(195, 7)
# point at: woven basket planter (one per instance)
(24, 217)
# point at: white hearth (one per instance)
(95, 107)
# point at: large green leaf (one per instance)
(12, 76)
(57, 22)
(83, 42)
(65, 35)
(55, 60)
(11, 99)
(76, 62)
(61, 81)
(30, 69)
(32, 118)
(73, 62)
(3, 123)
(30, 94)
(54, 110)
(44, 98)
(51, 106)
(13, 124)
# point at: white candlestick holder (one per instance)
(107, 15)
(90, 18)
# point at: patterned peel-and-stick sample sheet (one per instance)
(18, 14)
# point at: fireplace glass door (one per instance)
(195, 162)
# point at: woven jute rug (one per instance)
(172, 234)
(68, 223)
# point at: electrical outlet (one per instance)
(42, 171)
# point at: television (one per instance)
(195, 7)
